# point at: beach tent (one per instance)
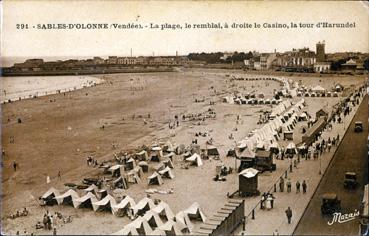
(67, 198)
(164, 211)
(133, 177)
(170, 228)
(92, 188)
(168, 147)
(183, 219)
(194, 212)
(144, 166)
(123, 206)
(246, 154)
(155, 178)
(156, 154)
(291, 148)
(85, 201)
(157, 231)
(168, 163)
(318, 89)
(212, 151)
(105, 203)
(141, 225)
(120, 183)
(49, 196)
(127, 230)
(116, 170)
(167, 173)
(142, 206)
(153, 219)
(142, 155)
(195, 159)
(130, 164)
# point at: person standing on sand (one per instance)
(289, 215)
(15, 165)
(59, 175)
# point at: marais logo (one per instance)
(338, 217)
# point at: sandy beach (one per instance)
(58, 132)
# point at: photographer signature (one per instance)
(338, 217)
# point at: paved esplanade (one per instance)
(268, 221)
(350, 156)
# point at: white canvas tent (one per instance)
(85, 201)
(144, 205)
(92, 188)
(106, 202)
(157, 231)
(183, 219)
(49, 196)
(195, 159)
(125, 204)
(153, 219)
(143, 156)
(116, 170)
(194, 212)
(155, 178)
(170, 228)
(141, 225)
(163, 210)
(127, 230)
(120, 183)
(318, 89)
(167, 173)
(68, 197)
(291, 148)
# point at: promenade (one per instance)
(274, 220)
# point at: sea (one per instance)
(25, 87)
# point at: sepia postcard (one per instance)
(184, 117)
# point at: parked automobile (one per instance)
(330, 204)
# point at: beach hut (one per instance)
(142, 156)
(183, 219)
(120, 182)
(170, 228)
(92, 188)
(141, 225)
(130, 164)
(116, 170)
(248, 182)
(155, 179)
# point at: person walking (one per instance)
(276, 233)
(297, 186)
(304, 186)
(15, 165)
(59, 175)
(288, 186)
(289, 215)
(281, 184)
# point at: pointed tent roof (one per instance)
(183, 219)
(249, 172)
(170, 226)
(247, 153)
(91, 188)
(126, 202)
(143, 203)
(157, 231)
(89, 196)
(140, 223)
(155, 177)
(195, 158)
(108, 199)
(194, 210)
(167, 172)
(163, 208)
(127, 231)
(50, 192)
(151, 215)
(70, 193)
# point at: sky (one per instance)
(82, 43)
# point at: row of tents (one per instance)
(160, 220)
(284, 119)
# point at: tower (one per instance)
(320, 51)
